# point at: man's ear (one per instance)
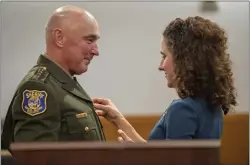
(58, 37)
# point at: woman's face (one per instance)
(166, 64)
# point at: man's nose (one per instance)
(95, 51)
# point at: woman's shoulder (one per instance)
(195, 105)
(186, 102)
(182, 107)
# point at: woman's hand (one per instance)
(112, 113)
(123, 137)
(108, 110)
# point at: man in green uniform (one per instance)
(49, 104)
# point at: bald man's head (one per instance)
(67, 17)
(72, 32)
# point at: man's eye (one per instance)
(90, 40)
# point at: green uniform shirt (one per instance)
(49, 105)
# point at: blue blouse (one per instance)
(189, 119)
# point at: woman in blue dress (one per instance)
(197, 65)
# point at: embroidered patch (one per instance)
(34, 102)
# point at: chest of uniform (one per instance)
(79, 119)
(77, 105)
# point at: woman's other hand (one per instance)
(107, 109)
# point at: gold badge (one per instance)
(81, 115)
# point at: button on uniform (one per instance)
(86, 129)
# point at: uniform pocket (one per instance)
(82, 127)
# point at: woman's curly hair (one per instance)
(202, 65)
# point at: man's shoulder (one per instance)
(36, 76)
(35, 86)
(37, 73)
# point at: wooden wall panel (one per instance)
(235, 140)
(142, 124)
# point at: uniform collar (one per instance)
(46, 56)
(58, 72)
(68, 83)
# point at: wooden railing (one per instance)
(234, 141)
(233, 148)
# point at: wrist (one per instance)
(118, 119)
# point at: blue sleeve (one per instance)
(181, 121)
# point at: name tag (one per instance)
(81, 115)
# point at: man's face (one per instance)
(166, 64)
(80, 46)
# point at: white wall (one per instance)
(126, 70)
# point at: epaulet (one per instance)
(40, 74)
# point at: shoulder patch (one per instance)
(34, 102)
(40, 74)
